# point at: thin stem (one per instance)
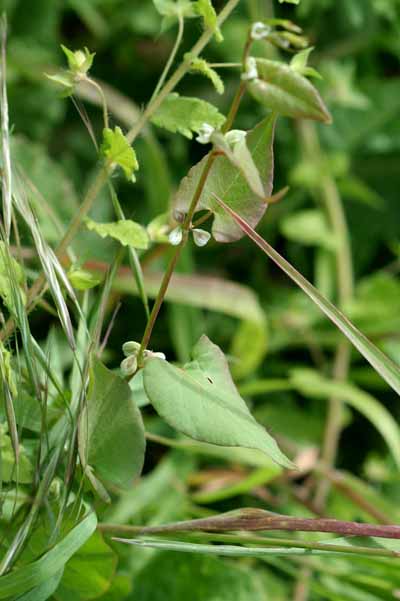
(103, 100)
(225, 65)
(171, 58)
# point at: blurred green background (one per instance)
(357, 51)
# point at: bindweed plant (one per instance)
(73, 437)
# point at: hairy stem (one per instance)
(171, 58)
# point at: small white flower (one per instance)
(201, 237)
(235, 136)
(259, 31)
(175, 237)
(250, 72)
(205, 132)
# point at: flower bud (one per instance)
(205, 132)
(200, 237)
(130, 348)
(250, 72)
(129, 366)
(259, 31)
(175, 237)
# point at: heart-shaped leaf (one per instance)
(111, 433)
(283, 90)
(202, 402)
(227, 182)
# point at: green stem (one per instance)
(171, 58)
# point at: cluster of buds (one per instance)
(200, 237)
(131, 351)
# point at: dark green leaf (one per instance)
(111, 434)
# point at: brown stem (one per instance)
(252, 520)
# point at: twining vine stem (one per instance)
(102, 176)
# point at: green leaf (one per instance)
(23, 579)
(44, 590)
(202, 402)
(226, 182)
(308, 227)
(205, 9)
(174, 8)
(89, 573)
(290, 1)
(199, 65)
(81, 279)
(127, 232)
(310, 383)
(111, 434)
(117, 150)
(186, 115)
(286, 92)
(389, 371)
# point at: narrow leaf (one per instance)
(379, 361)
(202, 402)
(23, 579)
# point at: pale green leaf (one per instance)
(127, 232)
(228, 183)
(199, 65)
(186, 115)
(286, 92)
(202, 402)
(117, 150)
(308, 227)
(310, 383)
(290, 1)
(111, 434)
(205, 9)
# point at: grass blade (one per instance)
(27, 577)
(389, 371)
(5, 135)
